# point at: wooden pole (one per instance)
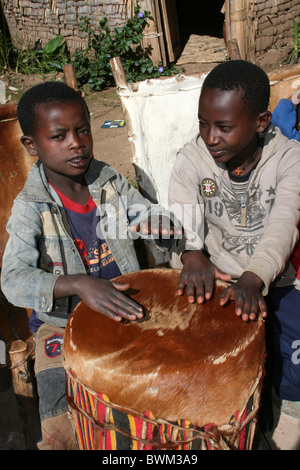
(160, 33)
(233, 49)
(118, 72)
(238, 25)
(69, 76)
(227, 22)
(150, 42)
(292, 71)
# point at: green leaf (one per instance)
(53, 45)
(118, 30)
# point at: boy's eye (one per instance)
(57, 137)
(223, 128)
(85, 131)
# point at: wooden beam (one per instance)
(233, 49)
(69, 76)
(118, 72)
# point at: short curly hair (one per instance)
(245, 77)
(47, 92)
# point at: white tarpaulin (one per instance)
(161, 116)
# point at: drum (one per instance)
(186, 376)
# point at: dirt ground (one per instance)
(112, 146)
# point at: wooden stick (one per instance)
(118, 72)
(292, 71)
(69, 75)
(233, 49)
(160, 31)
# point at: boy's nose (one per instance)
(212, 137)
(75, 140)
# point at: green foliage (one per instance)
(7, 51)
(91, 64)
(294, 55)
(4, 60)
(48, 59)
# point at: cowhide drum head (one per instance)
(191, 361)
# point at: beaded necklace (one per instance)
(240, 169)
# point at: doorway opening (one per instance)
(200, 18)
(195, 31)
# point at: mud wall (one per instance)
(272, 22)
(30, 20)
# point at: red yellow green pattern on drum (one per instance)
(119, 430)
(102, 425)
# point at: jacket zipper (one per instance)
(243, 212)
(242, 201)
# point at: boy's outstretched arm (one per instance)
(246, 293)
(101, 295)
(157, 225)
(198, 276)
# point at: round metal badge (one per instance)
(209, 187)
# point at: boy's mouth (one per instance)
(78, 162)
(216, 153)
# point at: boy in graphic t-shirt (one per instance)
(71, 219)
(95, 253)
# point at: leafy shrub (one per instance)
(294, 55)
(48, 59)
(91, 65)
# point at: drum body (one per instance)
(186, 376)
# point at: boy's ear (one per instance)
(263, 120)
(28, 143)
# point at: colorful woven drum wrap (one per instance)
(187, 378)
(102, 425)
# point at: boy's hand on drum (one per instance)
(159, 226)
(198, 276)
(107, 298)
(101, 295)
(246, 293)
